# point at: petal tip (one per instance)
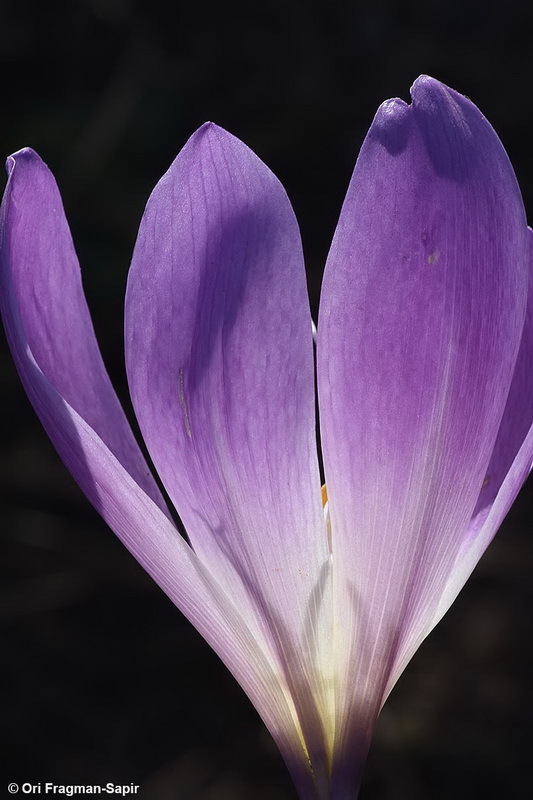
(425, 82)
(209, 129)
(430, 94)
(391, 108)
(210, 134)
(427, 91)
(391, 125)
(24, 155)
(206, 128)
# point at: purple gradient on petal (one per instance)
(421, 316)
(129, 511)
(219, 356)
(425, 395)
(517, 418)
(49, 294)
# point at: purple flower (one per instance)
(425, 397)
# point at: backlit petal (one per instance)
(219, 356)
(510, 464)
(37, 250)
(129, 511)
(421, 317)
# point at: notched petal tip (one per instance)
(458, 139)
(391, 125)
(427, 91)
(392, 110)
(430, 95)
(425, 82)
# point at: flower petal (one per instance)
(510, 464)
(421, 316)
(137, 520)
(516, 422)
(37, 249)
(219, 355)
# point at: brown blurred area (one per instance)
(102, 679)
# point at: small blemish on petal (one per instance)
(433, 257)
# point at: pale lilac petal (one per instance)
(516, 421)
(509, 466)
(219, 355)
(37, 248)
(421, 317)
(156, 544)
(138, 521)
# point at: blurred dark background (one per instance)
(102, 679)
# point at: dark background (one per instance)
(102, 679)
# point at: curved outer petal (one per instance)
(421, 316)
(47, 283)
(510, 464)
(136, 519)
(219, 356)
(516, 421)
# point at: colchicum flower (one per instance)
(314, 600)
